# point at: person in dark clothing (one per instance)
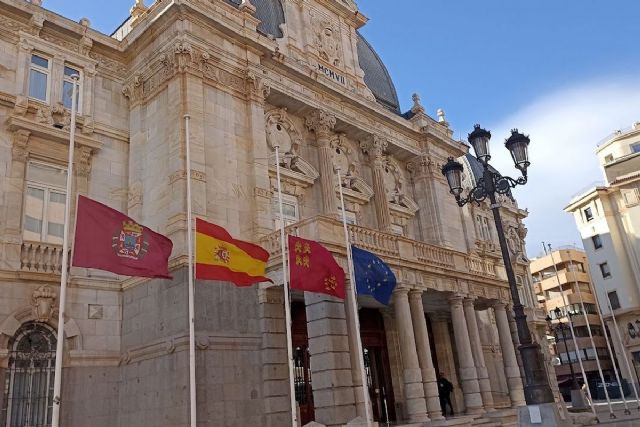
(444, 390)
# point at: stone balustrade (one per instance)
(41, 257)
(329, 232)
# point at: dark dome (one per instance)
(376, 76)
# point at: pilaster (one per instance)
(375, 148)
(322, 123)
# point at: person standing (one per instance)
(444, 390)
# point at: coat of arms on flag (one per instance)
(129, 242)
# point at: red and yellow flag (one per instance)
(221, 257)
(312, 268)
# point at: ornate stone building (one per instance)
(252, 75)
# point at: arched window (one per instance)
(28, 392)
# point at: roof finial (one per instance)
(417, 106)
(441, 117)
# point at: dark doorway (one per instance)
(302, 367)
(376, 362)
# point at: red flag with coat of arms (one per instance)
(109, 240)
(312, 268)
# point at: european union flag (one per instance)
(373, 276)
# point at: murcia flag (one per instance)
(109, 240)
(312, 268)
(221, 257)
(373, 276)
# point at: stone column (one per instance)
(446, 360)
(423, 347)
(322, 123)
(415, 404)
(468, 375)
(375, 147)
(478, 354)
(509, 359)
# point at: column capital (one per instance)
(375, 147)
(401, 291)
(499, 305)
(415, 294)
(321, 122)
(469, 302)
(456, 300)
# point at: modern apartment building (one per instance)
(566, 271)
(608, 218)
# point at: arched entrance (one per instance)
(28, 393)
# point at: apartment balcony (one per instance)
(589, 366)
(397, 250)
(564, 277)
(583, 342)
(571, 298)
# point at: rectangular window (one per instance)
(588, 214)
(605, 270)
(597, 241)
(39, 71)
(67, 87)
(45, 198)
(635, 148)
(613, 300)
(349, 216)
(630, 197)
(289, 211)
(482, 224)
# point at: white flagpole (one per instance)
(616, 367)
(287, 304)
(192, 309)
(624, 352)
(593, 344)
(576, 349)
(354, 306)
(57, 379)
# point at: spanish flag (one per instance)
(221, 257)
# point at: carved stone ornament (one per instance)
(21, 106)
(321, 122)
(42, 302)
(20, 150)
(374, 147)
(327, 40)
(282, 133)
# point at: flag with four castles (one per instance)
(373, 276)
(312, 268)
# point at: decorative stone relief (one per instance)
(55, 115)
(20, 150)
(21, 106)
(257, 87)
(327, 40)
(42, 302)
(282, 133)
(83, 161)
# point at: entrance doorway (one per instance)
(376, 361)
(301, 363)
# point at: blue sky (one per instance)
(566, 72)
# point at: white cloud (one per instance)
(565, 128)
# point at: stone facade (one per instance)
(294, 74)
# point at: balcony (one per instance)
(39, 257)
(394, 249)
(565, 277)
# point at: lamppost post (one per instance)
(536, 387)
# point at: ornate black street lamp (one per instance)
(562, 327)
(536, 387)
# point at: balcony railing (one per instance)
(329, 232)
(41, 257)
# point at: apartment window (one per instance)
(635, 148)
(67, 87)
(588, 214)
(630, 197)
(289, 211)
(44, 203)
(482, 225)
(597, 241)
(39, 71)
(608, 158)
(613, 300)
(605, 270)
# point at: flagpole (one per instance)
(624, 352)
(57, 378)
(576, 349)
(354, 305)
(593, 344)
(192, 320)
(616, 366)
(285, 285)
